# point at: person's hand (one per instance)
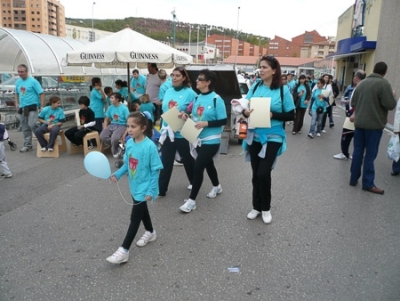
(50, 126)
(301, 93)
(113, 178)
(158, 103)
(183, 116)
(247, 112)
(201, 124)
(148, 198)
(352, 117)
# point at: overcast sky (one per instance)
(285, 18)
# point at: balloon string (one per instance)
(130, 204)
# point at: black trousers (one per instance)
(168, 150)
(76, 135)
(204, 160)
(298, 120)
(140, 212)
(328, 114)
(261, 174)
(347, 136)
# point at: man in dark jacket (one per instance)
(371, 101)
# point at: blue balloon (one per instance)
(97, 165)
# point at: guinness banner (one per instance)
(127, 46)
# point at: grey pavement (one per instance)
(327, 240)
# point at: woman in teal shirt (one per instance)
(301, 95)
(263, 145)
(180, 96)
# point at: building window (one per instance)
(33, 19)
(308, 39)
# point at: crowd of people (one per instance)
(129, 114)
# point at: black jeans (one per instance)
(140, 212)
(168, 150)
(261, 174)
(76, 135)
(347, 136)
(204, 160)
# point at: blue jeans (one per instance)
(367, 140)
(316, 118)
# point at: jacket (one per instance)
(372, 100)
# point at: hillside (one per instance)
(161, 29)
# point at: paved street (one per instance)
(327, 240)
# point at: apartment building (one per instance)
(40, 16)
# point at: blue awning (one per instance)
(356, 44)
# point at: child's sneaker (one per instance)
(50, 149)
(119, 256)
(188, 206)
(43, 149)
(214, 191)
(147, 237)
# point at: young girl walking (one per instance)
(143, 165)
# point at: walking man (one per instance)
(371, 101)
(28, 97)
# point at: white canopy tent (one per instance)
(42, 54)
(127, 47)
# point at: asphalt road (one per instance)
(327, 240)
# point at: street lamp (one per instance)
(237, 41)
(93, 37)
(197, 48)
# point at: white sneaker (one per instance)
(147, 237)
(340, 156)
(50, 149)
(188, 206)
(43, 149)
(253, 214)
(119, 256)
(266, 217)
(318, 135)
(176, 163)
(189, 187)
(310, 135)
(214, 191)
(323, 131)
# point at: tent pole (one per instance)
(129, 85)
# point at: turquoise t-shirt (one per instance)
(97, 103)
(139, 84)
(142, 163)
(179, 97)
(28, 91)
(149, 107)
(303, 97)
(317, 102)
(205, 110)
(276, 103)
(53, 115)
(163, 88)
(118, 114)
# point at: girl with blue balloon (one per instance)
(142, 164)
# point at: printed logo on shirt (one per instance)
(23, 90)
(172, 103)
(52, 117)
(116, 117)
(83, 120)
(200, 111)
(132, 165)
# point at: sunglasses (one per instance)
(201, 79)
